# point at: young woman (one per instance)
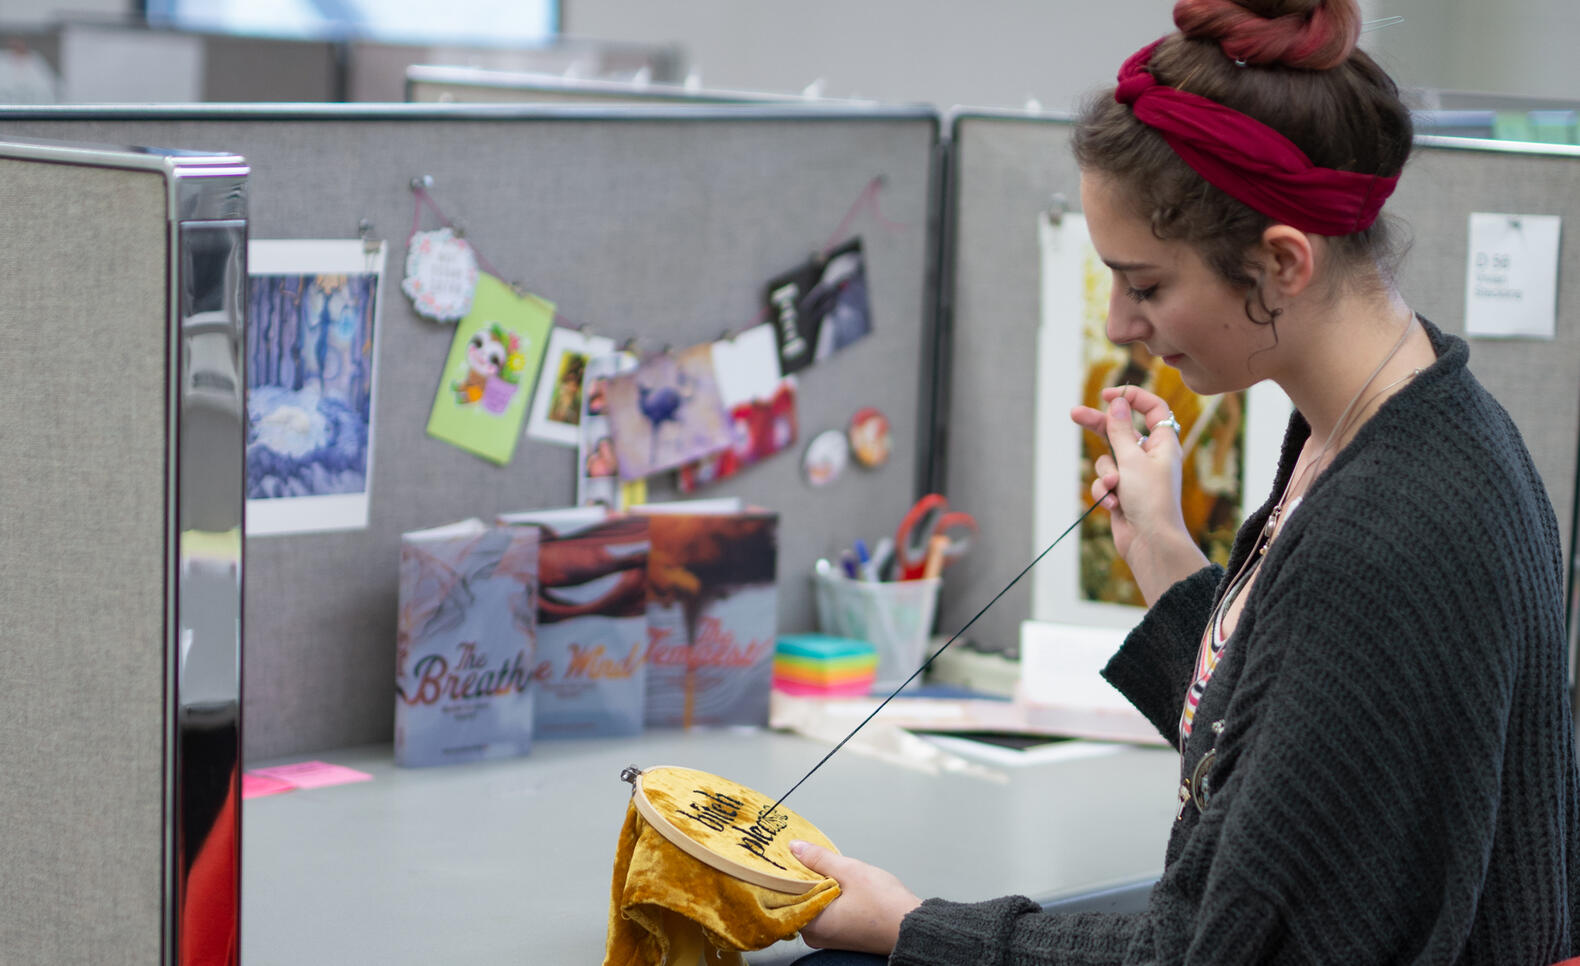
(1371, 701)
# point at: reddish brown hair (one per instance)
(1308, 34)
(1290, 64)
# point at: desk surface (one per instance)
(509, 862)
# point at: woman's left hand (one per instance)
(866, 916)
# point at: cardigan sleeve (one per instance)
(1011, 930)
(1154, 666)
(1152, 669)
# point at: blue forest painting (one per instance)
(310, 368)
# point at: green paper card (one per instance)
(487, 382)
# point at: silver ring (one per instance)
(1170, 422)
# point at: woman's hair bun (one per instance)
(1308, 34)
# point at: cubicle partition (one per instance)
(121, 459)
(1007, 171)
(121, 275)
(662, 225)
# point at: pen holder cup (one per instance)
(896, 617)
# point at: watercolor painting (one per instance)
(311, 363)
(667, 412)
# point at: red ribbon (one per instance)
(1249, 160)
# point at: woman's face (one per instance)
(1167, 298)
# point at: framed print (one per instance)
(1231, 442)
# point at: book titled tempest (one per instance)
(711, 611)
(465, 643)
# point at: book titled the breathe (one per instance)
(465, 643)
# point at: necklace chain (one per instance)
(1350, 413)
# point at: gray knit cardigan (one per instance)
(1394, 780)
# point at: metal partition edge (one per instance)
(205, 460)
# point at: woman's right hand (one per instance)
(1138, 482)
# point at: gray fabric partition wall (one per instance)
(120, 556)
(1004, 169)
(662, 224)
(83, 787)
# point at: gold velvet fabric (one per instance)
(669, 908)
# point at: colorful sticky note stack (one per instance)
(820, 664)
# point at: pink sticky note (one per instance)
(257, 786)
(313, 774)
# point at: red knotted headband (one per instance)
(1249, 160)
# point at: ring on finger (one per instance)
(1170, 422)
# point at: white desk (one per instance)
(509, 862)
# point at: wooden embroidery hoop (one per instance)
(658, 791)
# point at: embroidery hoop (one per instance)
(657, 791)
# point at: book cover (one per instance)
(592, 621)
(711, 617)
(465, 643)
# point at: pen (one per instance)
(847, 562)
(864, 560)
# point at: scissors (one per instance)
(930, 517)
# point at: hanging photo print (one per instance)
(487, 379)
(821, 307)
(441, 274)
(761, 407)
(557, 404)
(597, 470)
(666, 412)
(312, 309)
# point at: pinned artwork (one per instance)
(761, 406)
(598, 471)
(820, 308)
(870, 440)
(441, 274)
(487, 379)
(826, 457)
(311, 348)
(557, 403)
(666, 412)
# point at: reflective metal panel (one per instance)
(209, 273)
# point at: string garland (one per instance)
(866, 200)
